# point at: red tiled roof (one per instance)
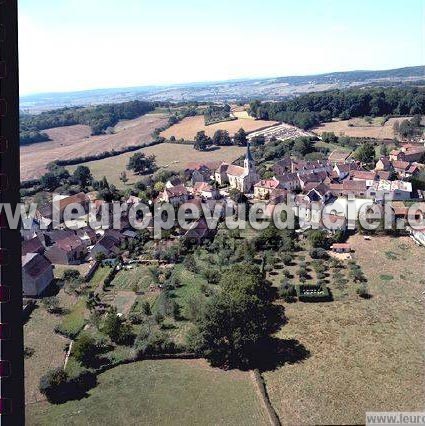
(176, 191)
(236, 170)
(340, 246)
(361, 174)
(401, 165)
(267, 183)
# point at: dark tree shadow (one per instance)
(276, 352)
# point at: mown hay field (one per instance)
(360, 128)
(189, 126)
(168, 156)
(75, 141)
(365, 355)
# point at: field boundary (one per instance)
(95, 157)
(262, 390)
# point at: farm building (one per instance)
(37, 274)
(341, 248)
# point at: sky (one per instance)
(69, 45)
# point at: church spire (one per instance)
(249, 161)
(248, 153)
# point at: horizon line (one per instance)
(188, 83)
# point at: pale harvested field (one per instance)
(365, 355)
(188, 127)
(360, 128)
(75, 141)
(242, 114)
(169, 156)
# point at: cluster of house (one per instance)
(309, 181)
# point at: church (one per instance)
(243, 178)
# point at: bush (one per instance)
(363, 292)
(313, 293)
(54, 384)
(51, 304)
(153, 343)
(319, 253)
(85, 349)
(287, 292)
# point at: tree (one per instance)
(201, 141)
(123, 177)
(50, 181)
(159, 186)
(365, 153)
(142, 164)
(221, 137)
(83, 176)
(190, 263)
(240, 138)
(85, 349)
(71, 275)
(318, 238)
(237, 320)
(51, 304)
(54, 383)
(116, 328)
(329, 137)
(383, 150)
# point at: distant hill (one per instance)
(276, 88)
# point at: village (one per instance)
(309, 181)
(103, 293)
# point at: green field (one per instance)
(73, 322)
(167, 392)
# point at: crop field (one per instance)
(75, 141)
(169, 156)
(169, 392)
(365, 355)
(360, 128)
(188, 127)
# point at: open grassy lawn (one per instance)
(191, 284)
(365, 355)
(168, 156)
(98, 277)
(74, 321)
(46, 344)
(47, 347)
(168, 392)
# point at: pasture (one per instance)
(189, 126)
(365, 355)
(360, 128)
(168, 156)
(171, 392)
(75, 141)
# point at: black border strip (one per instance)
(12, 387)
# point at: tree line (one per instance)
(99, 118)
(309, 110)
